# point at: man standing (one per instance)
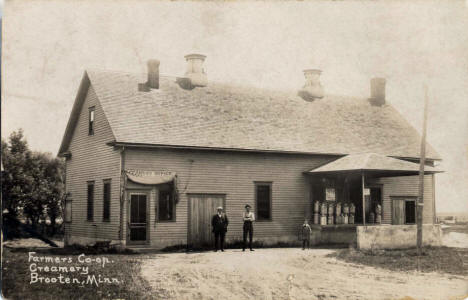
(219, 222)
(248, 217)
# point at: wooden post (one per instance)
(422, 162)
(309, 214)
(363, 200)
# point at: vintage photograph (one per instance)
(234, 150)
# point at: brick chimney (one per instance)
(195, 72)
(312, 88)
(377, 91)
(153, 74)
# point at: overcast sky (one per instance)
(48, 45)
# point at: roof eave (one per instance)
(148, 145)
(168, 146)
(415, 172)
(72, 120)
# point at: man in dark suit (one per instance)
(219, 222)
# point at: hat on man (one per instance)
(220, 208)
(247, 206)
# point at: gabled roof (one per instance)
(75, 113)
(371, 162)
(224, 116)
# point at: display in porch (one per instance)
(339, 213)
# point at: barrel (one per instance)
(338, 219)
(378, 219)
(371, 218)
(323, 208)
(378, 209)
(338, 209)
(323, 220)
(316, 218)
(345, 208)
(331, 208)
(316, 206)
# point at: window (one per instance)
(90, 208)
(91, 121)
(166, 206)
(263, 200)
(410, 212)
(68, 211)
(106, 198)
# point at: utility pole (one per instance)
(422, 162)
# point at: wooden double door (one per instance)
(202, 207)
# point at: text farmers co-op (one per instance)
(81, 259)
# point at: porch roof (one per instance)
(372, 162)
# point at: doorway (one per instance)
(403, 210)
(138, 218)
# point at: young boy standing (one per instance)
(305, 233)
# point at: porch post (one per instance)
(363, 201)
(307, 195)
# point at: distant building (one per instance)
(452, 218)
(150, 157)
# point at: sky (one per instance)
(47, 45)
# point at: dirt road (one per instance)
(287, 274)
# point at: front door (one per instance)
(202, 208)
(138, 220)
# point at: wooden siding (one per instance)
(402, 186)
(232, 174)
(93, 160)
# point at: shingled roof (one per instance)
(224, 116)
(371, 162)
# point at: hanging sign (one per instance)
(150, 177)
(366, 191)
(330, 194)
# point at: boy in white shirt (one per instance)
(248, 218)
(305, 234)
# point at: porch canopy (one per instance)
(150, 177)
(362, 166)
(372, 163)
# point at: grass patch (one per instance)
(126, 268)
(433, 259)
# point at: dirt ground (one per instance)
(286, 273)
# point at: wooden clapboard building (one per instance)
(150, 157)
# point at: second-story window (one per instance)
(91, 121)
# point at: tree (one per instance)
(16, 180)
(32, 185)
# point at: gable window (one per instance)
(263, 200)
(91, 121)
(166, 205)
(106, 198)
(90, 202)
